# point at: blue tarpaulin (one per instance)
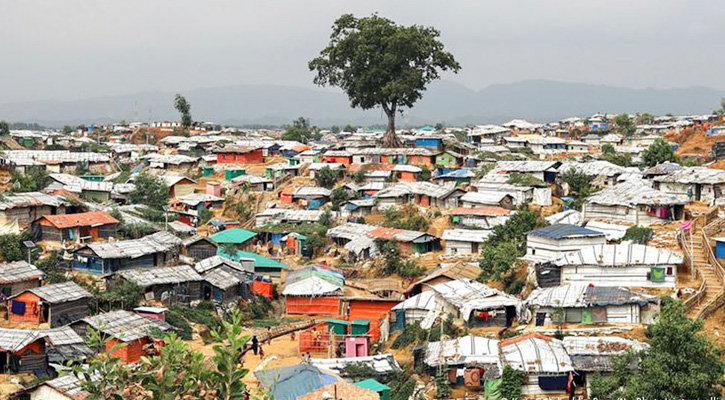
(18, 307)
(289, 383)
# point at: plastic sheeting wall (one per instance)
(300, 305)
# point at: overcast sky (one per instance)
(74, 49)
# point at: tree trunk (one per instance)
(390, 139)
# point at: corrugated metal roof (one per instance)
(91, 218)
(180, 227)
(485, 198)
(525, 166)
(620, 255)
(19, 271)
(16, 200)
(459, 270)
(13, 340)
(59, 292)
(313, 191)
(234, 236)
(417, 188)
(155, 243)
(161, 275)
(592, 168)
(662, 169)
(406, 168)
(561, 231)
(400, 235)
(408, 151)
(221, 278)
(54, 155)
(124, 325)
(349, 231)
(174, 159)
(77, 184)
(68, 385)
(251, 179)
(319, 166)
(193, 199)
(217, 261)
(689, 175)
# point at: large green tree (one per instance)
(379, 63)
(184, 108)
(625, 125)
(151, 191)
(4, 128)
(681, 362)
(300, 131)
(658, 152)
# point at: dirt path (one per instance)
(281, 352)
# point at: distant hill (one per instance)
(536, 100)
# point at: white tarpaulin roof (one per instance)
(312, 286)
(422, 301)
(536, 354)
(610, 231)
(620, 255)
(463, 350)
(468, 295)
(571, 217)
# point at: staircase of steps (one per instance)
(708, 269)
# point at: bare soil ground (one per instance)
(281, 352)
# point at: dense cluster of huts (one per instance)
(582, 272)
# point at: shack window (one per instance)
(657, 274)
(574, 316)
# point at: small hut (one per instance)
(58, 304)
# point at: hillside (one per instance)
(448, 102)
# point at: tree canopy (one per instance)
(184, 108)
(379, 63)
(300, 131)
(681, 362)
(625, 125)
(326, 178)
(151, 191)
(658, 152)
(32, 180)
(611, 155)
(4, 128)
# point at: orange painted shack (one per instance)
(58, 304)
(22, 351)
(85, 227)
(125, 328)
(240, 155)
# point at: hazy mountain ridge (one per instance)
(536, 100)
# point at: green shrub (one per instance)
(638, 234)
(511, 382)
